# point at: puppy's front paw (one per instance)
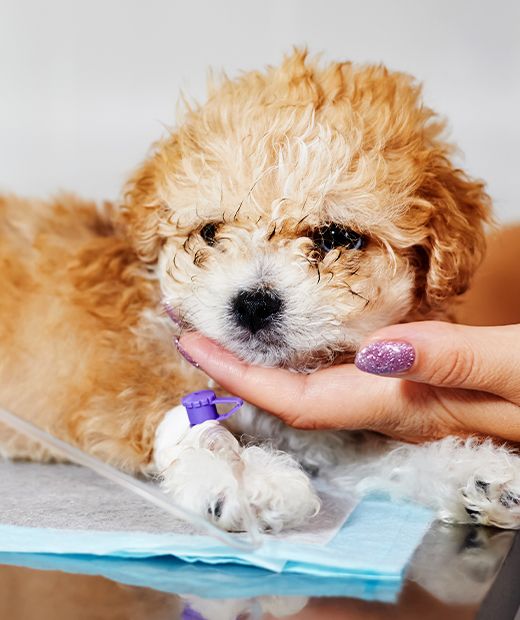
(277, 489)
(211, 475)
(489, 495)
(206, 484)
(494, 501)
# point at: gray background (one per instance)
(85, 87)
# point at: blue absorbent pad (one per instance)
(43, 507)
(221, 581)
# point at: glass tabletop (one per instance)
(459, 572)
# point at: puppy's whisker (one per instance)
(255, 183)
(237, 211)
(303, 208)
(337, 257)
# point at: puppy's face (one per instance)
(300, 209)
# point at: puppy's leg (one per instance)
(314, 450)
(464, 481)
(205, 469)
(491, 493)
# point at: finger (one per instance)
(307, 401)
(480, 413)
(447, 355)
(340, 397)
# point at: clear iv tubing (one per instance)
(128, 482)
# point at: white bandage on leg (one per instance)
(174, 435)
(205, 469)
(170, 432)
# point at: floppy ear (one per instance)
(455, 244)
(143, 211)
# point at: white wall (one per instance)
(85, 86)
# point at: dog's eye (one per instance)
(334, 236)
(208, 232)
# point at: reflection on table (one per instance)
(449, 576)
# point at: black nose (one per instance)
(254, 310)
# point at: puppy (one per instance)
(292, 214)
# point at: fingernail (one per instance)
(172, 314)
(185, 353)
(386, 357)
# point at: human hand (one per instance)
(436, 379)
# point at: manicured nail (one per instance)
(185, 353)
(386, 357)
(172, 314)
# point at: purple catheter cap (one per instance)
(201, 406)
(190, 614)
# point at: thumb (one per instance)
(447, 355)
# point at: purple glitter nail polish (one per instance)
(185, 353)
(386, 357)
